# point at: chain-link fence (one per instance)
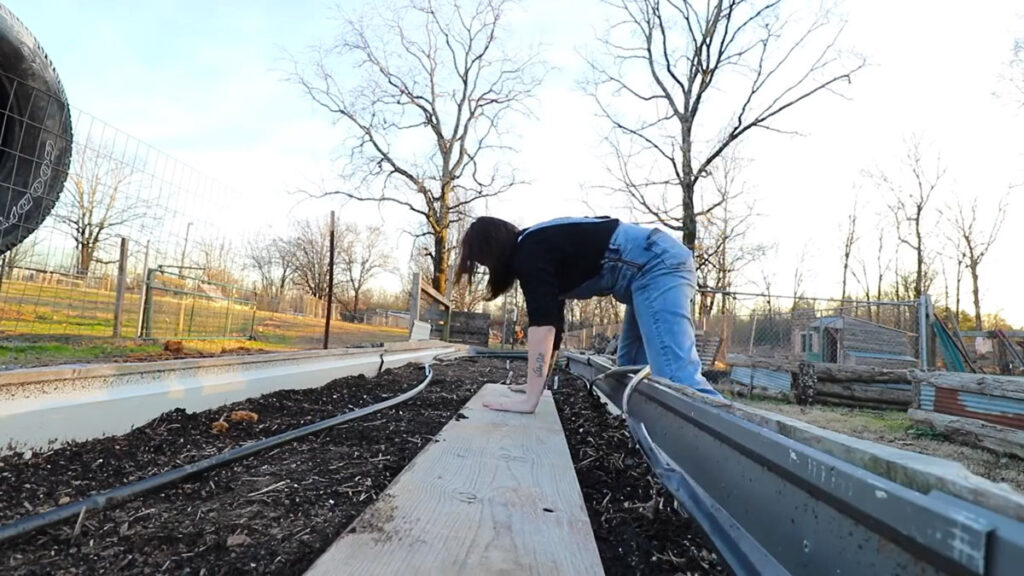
(767, 326)
(813, 329)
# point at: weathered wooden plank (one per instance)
(864, 391)
(827, 372)
(496, 494)
(973, 432)
(1008, 386)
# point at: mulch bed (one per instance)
(274, 513)
(635, 522)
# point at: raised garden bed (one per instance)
(636, 525)
(276, 512)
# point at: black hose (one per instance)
(129, 491)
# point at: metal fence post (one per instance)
(143, 290)
(330, 281)
(923, 324)
(414, 301)
(122, 271)
(147, 305)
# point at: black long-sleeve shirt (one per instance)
(555, 257)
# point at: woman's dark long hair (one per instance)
(489, 242)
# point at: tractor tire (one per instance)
(35, 133)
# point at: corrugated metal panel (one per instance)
(762, 378)
(880, 355)
(995, 409)
(926, 397)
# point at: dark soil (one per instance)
(274, 513)
(635, 522)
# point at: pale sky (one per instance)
(203, 81)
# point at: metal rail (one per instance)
(163, 480)
(771, 504)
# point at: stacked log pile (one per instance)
(859, 386)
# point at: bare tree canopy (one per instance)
(848, 244)
(427, 114)
(96, 201)
(269, 259)
(362, 256)
(309, 251)
(680, 83)
(723, 247)
(910, 195)
(973, 239)
(1017, 70)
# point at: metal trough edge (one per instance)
(66, 404)
(813, 511)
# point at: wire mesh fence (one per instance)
(188, 307)
(814, 329)
(882, 334)
(72, 201)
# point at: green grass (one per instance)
(45, 324)
(47, 353)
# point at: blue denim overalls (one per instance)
(654, 276)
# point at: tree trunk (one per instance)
(689, 218)
(84, 259)
(977, 299)
(919, 280)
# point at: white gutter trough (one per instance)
(45, 407)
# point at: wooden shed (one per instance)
(852, 341)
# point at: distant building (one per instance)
(847, 340)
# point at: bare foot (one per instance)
(520, 388)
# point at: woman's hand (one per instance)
(539, 344)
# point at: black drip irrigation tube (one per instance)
(127, 492)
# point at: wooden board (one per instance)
(1008, 386)
(824, 371)
(496, 494)
(973, 432)
(864, 391)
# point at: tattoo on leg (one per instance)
(538, 367)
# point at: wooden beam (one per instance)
(434, 294)
(1007, 386)
(824, 371)
(864, 391)
(495, 494)
(973, 432)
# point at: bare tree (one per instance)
(269, 259)
(1017, 69)
(680, 83)
(723, 249)
(428, 115)
(362, 256)
(975, 240)
(309, 250)
(217, 259)
(909, 202)
(848, 244)
(95, 204)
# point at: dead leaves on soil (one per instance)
(220, 426)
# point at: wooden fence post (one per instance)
(122, 271)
